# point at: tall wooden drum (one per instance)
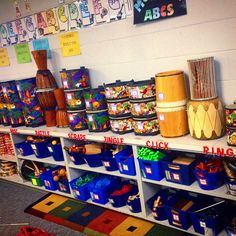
(173, 121)
(206, 119)
(170, 89)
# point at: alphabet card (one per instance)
(21, 29)
(116, 9)
(149, 10)
(31, 27)
(101, 11)
(4, 35)
(87, 12)
(12, 32)
(41, 21)
(53, 25)
(74, 15)
(63, 17)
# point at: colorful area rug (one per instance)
(94, 220)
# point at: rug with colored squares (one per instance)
(94, 220)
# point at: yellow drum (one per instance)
(173, 121)
(170, 89)
(206, 119)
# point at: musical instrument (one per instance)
(206, 119)
(121, 125)
(50, 118)
(26, 89)
(230, 115)
(9, 90)
(60, 98)
(78, 120)
(202, 78)
(46, 98)
(231, 136)
(62, 119)
(173, 121)
(170, 89)
(75, 99)
(119, 107)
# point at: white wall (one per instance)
(121, 50)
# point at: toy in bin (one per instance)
(55, 149)
(209, 174)
(125, 161)
(157, 204)
(75, 154)
(229, 165)
(119, 197)
(40, 147)
(179, 169)
(101, 188)
(24, 148)
(149, 162)
(134, 204)
(207, 216)
(79, 186)
(35, 175)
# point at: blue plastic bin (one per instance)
(48, 181)
(101, 188)
(159, 213)
(125, 161)
(109, 161)
(177, 173)
(134, 205)
(121, 200)
(151, 169)
(209, 181)
(80, 192)
(95, 160)
(205, 220)
(41, 149)
(77, 158)
(24, 148)
(230, 231)
(56, 152)
(63, 186)
(176, 216)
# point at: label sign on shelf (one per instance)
(13, 131)
(42, 133)
(218, 151)
(157, 144)
(77, 136)
(114, 140)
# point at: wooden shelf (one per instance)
(219, 192)
(101, 169)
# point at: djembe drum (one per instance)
(45, 83)
(205, 110)
(206, 119)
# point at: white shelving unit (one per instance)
(147, 187)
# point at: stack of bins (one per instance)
(45, 84)
(118, 104)
(4, 113)
(75, 82)
(96, 109)
(27, 92)
(171, 103)
(143, 107)
(13, 104)
(205, 109)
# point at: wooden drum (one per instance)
(206, 119)
(170, 89)
(173, 121)
(46, 98)
(62, 119)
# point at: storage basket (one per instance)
(63, 185)
(56, 151)
(125, 161)
(109, 162)
(24, 148)
(95, 160)
(77, 158)
(41, 149)
(134, 203)
(35, 180)
(47, 178)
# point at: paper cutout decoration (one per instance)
(27, 5)
(41, 23)
(101, 11)
(21, 29)
(69, 43)
(22, 53)
(42, 44)
(74, 15)
(12, 32)
(31, 27)
(116, 9)
(4, 35)
(87, 12)
(128, 7)
(4, 59)
(53, 26)
(63, 17)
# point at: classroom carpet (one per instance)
(94, 220)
